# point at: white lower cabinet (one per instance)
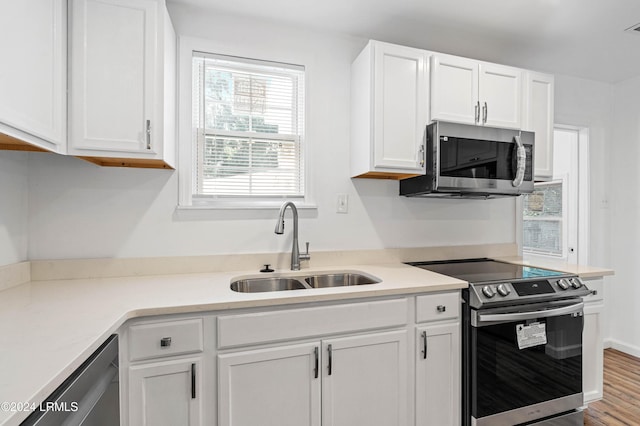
(270, 387)
(438, 375)
(592, 343)
(356, 380)
(364, 381)
(166, 393)
(326, 364)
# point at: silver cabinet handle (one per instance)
(193, 380)
(330, 350)
(421, 155)
(485, 112)
(148, 131)
(477, 112)
(424, 345)
(315, 370)
(165, 342)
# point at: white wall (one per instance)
(79, 210)
(588, 103)
(13, 207)
(624, 291)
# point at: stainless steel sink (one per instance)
(331, 279)
(338, 280)
(259, 285)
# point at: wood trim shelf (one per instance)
(13, 144)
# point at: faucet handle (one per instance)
(305, 256)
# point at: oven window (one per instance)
(471, 158)
(504, 377)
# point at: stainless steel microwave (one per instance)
(468, 161)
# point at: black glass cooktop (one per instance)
(485, 270)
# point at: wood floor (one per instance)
(621, 402)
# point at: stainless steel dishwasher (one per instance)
(89, 397)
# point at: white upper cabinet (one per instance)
(122, 83)
(33, 74)
(454, 89)
(473, 92)
(538, 117)
(389, 111)
(500, 95)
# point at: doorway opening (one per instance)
(556, 215)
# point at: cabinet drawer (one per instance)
(263, 327)
(165, 339)
(435, 307)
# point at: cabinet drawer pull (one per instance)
(330, 350)
(315, 369)
(165, 342)
(485, 112)
(441, 308)
(424, 345)
(193, 380)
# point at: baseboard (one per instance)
(624, 347)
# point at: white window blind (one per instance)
(248, 122)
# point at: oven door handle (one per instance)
(518, 316)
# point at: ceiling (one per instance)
(583, 38)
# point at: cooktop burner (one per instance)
(486, 270)
(493, 283)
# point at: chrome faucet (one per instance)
(296, 257)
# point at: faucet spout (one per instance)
(295, 250)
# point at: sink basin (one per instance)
(298, 282)
(338, 280)
(258, 285)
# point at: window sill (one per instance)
(238, 210)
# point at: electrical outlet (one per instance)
(342, 204)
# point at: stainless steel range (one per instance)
(521, 341)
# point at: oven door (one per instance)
(525, 362)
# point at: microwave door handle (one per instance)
(521, 161)
(519, 316)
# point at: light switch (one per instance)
(342, 205)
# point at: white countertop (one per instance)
(48, 328)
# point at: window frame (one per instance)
(187, 199)
(562, 181)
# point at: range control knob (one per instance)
(563, 284)
(503, 290)
(488, 291)
(575, 283)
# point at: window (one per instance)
(543, 219)
(248, 130)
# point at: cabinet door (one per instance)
(365, 380)
(166, 393)
(270, 387)
(592, 352)
(113, 74)
(400, 108)
(500, 96)
(538, 102)
(454, 89)
(33, 72)
(438, 375)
